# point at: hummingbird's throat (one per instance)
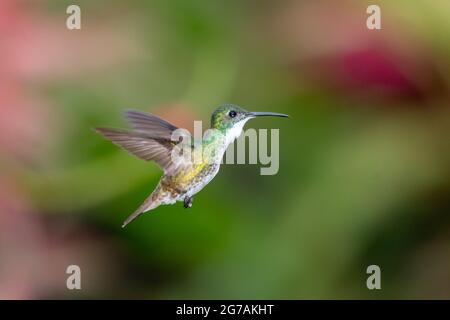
(234, 132)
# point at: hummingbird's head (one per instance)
(227, 116)
(230, 119)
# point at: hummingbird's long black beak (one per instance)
(266, 114)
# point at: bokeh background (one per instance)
(364, 159)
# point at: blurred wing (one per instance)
(147, 148)
(149, 124)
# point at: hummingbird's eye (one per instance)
(232, 114)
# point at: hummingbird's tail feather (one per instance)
(148, 205)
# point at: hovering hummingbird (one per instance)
(152, 139)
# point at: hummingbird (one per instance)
(152, 139)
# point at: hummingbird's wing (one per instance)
(149, 124)
(150, 140)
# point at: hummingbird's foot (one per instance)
(188, 202)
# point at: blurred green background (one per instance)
(364, 159)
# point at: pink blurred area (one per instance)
(34, 254)
(36, 49)
(329, 44)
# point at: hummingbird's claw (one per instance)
(188, 202)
